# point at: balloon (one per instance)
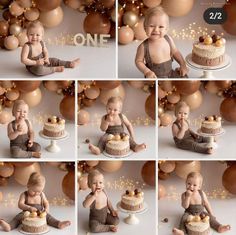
(148, 173)
(228, 179)
(182, 168)
(161, 191)
(22, 38)
(74, 4)
(6, 170)
(120, 15)
(83, 117)
(51, 18)
(211, 87)
(5, 117)
(129, 6)
(106, 94)
(32, 98)
(178, 7)
(25, 3)
(22, 164)
(92, 163)
(194, 100)
(13, 94)
(108, 3)
(68, 185)
(27, 86)
(130, 18)
(83, 182)
(230, 25)
(7, 84)
(67, 107)
(139, 32)
(15, 9)
(166, 119)
(163, 175)
(92, 92)
(107, 84)
(136, 84)
(161, 93)
(96, 23)
(173, 97)
(15, 29)
(110, 166)
(166, 85)
(4, 26)
(51, 85)
(3, 181)
(160, 110)
(223, 84)
(11, 42)
(228, 109)
(151, 3)
(167, 166)
(1, 196)
(45, 5)
(150, 106)
(125, 35)
(32, 14)
(22, 174)
(187, 87)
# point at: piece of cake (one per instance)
(197, 225)
(211, 125)
(34, 222)
(209, 51)
(117, 145)
(132, 200)
(54, 127)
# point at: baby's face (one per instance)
(21, 111)
(35, 190)
(35, 34)
(97, 183)
(183, 113)
(193, 184)
(156, 27)
(113, 108)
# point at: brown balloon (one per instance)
(228, 109)
(150, 106)
(68, 185)
(67, 107)
(107, 84)
(108, 3)
(230, 25)
(22, 164)
(187, 87)
(6, 170)
(120, 15)
(223, 84)
(148, 173)
(4, 27)
(163, 175)
(96, 23)
(45, 5)
(228, 179)
(27, 86)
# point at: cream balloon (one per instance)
(92, 92)
(173, 98)
(6, 170)
(211, 87)
(74, 4)
(83, 117)
(151, 3)
(22, 38)
(167, 166)
(139, 32)
(32, 14)
(182, 169)
(11, 42)
(194, 101)
(32, 98)
(22, 174)
(24, 3)
(136, 84)
(166, 85)
(161, 93)
(110, 166)
(125, 35)
(12, 94)
(92, 163)
(166, 119)
(52, 18)
(15, 9)
(106, 94)
(83, 182)
(5, 117)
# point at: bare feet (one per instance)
(94, 149)
(36, 154)
(6, 227)
(63, 224)
(74, 63)
(139, 147)
(113, 228)
(223, 228)
(210, 150)
(59, 69)
(176, 231)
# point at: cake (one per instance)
(117, 144)
(34, 222)
(211, 125)
(132, 200)
(209, 51)
(197, 225)
(54, 127)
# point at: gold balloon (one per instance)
(161, 191)
(15, 9)
(92, 163)
(194, 101)
(68, 185)
(32, 98)
(148, 173)
(74, 4)
(110, 166)
(51, 18)
(160, 110)
(130, 18)
(211, 87)
(125, 35)
(15, 29)
(92, 92)
(45, 5)
(67, 107)
(83, 117)
(182, 168)
(32, 14)
(22, 38)
(51, 85)
(161, 93)
(5, 117)
(151, 3)
(228, 109)
(6, 170)
(11, 42)
(167, 166)
(166, 119)
(24, 3)
(138, 28)
(136, 84)
(13, 94)
(173, 98)
(166, 85)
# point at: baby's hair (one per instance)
(35, 24)
(91, 175)
(115, 99)
(16, 104)
(155, 11)
(195, 175)
(36, 179)
(179, 106)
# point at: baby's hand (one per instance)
(109, 118)
(40, 62)
(114, 213)
(150, 74)
(183, 70)
(184, 124)
(30, 143)
(19, 128)
(189, 193)
(33, 209)
(46, 61)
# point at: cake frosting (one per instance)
(198, 226)
(132, 200)
(211, 125)
(117, 144)
(54, 127)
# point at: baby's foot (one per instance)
(6, 227)
(63, 224)
(223, 228)
(94, 149)
(210, 150)
(59, 69)
(140, 147)
(113, 228)
(176, 231)
(74, 63)
(36, 154)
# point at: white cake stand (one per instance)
(208, 70)
(53, 147)
(210, 138)
(132, 219)
(117, 156)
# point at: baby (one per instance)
(33, 200)
(100, 220)
(21, 134)
(35, 56)
(185, 138)
(194, 201)
(113, 123)
(154, 56)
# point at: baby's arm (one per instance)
(25, 60)
(11, 133)
(104, 123)
(111, 209)
(139, 61)
(89, 200)
(179, 132)
(45, 203)
(45, 53)
(186, 196)
(207, 204)
(31, 135)
(23, 206)
(129, 126)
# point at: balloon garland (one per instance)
(171, 92)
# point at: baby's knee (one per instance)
(116, 221)
(37, 147)
(15, 152)
(94, 228)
